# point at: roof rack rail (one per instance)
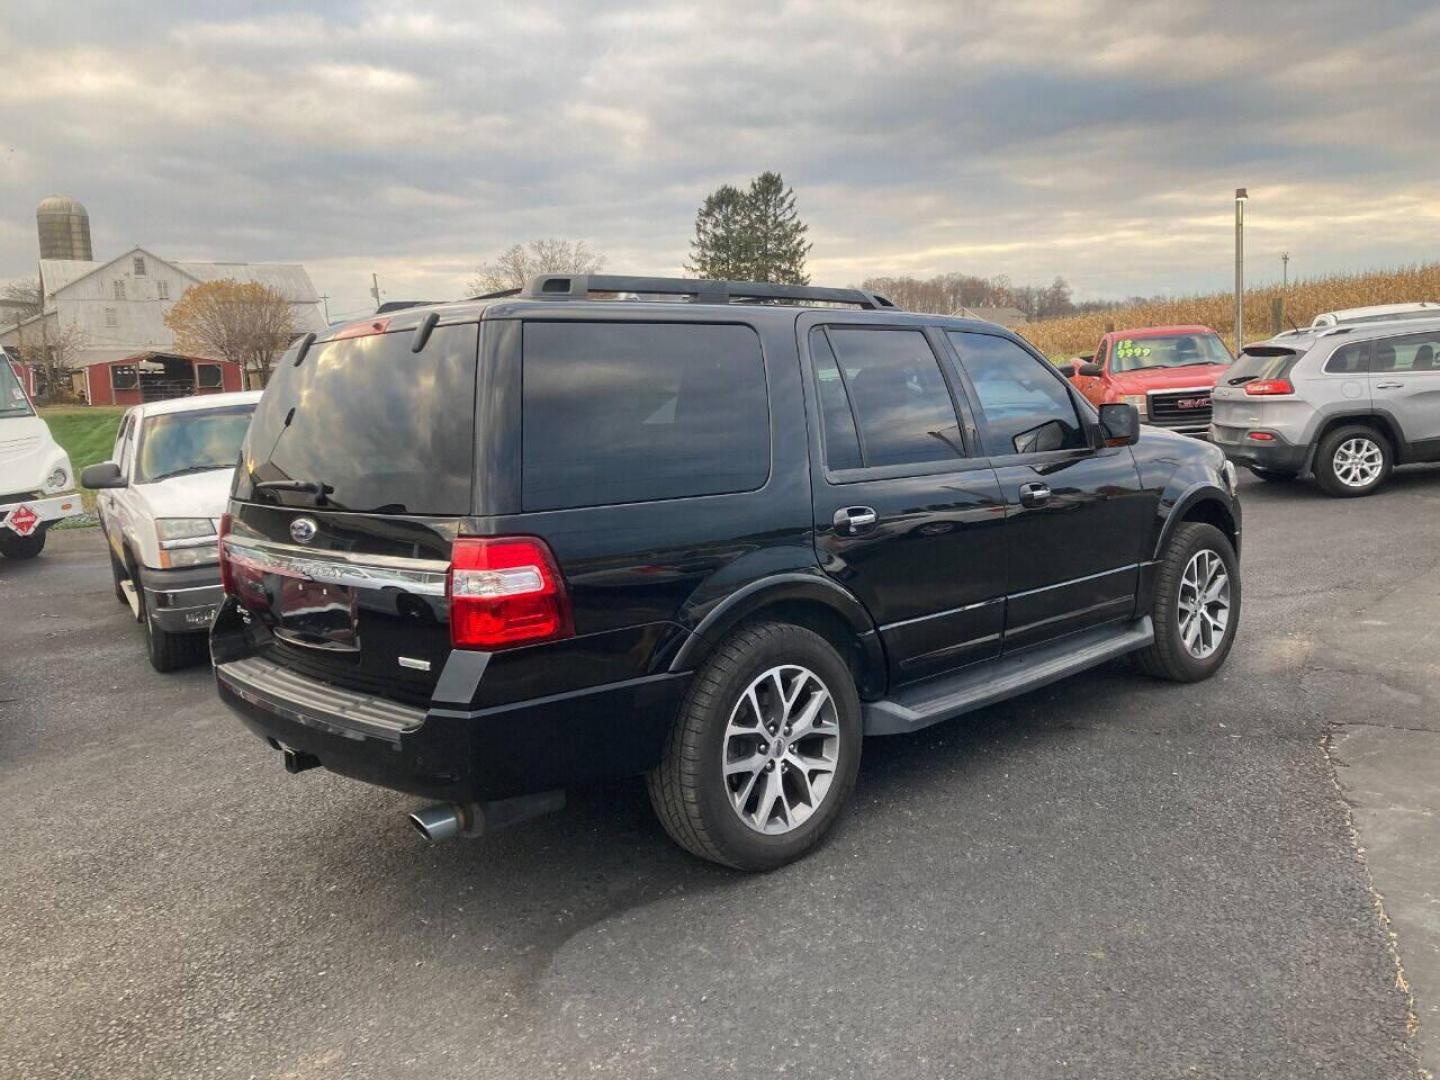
(699, 290)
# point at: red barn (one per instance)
(157, 376)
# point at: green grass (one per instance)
(87, 432)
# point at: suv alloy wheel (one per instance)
(764, 753)
(1351, 461)
(1196, 608)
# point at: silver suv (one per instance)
(1348, 403)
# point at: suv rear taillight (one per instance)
(1268, 387)
(227, 576)
(505, 591)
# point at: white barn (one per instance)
(119, 306)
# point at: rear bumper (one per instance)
(1278, 455)
(182, 601)
(458, 755)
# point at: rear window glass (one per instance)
(385, 430)
(1261, 362)
(629, 412)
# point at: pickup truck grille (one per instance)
(1180, 408)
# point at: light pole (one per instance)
(1240, 197)
(1285, 271)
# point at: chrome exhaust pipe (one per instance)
(443, 821)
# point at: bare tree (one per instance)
(518, 265)
(244, 322)
(52, 351)
(23, 298)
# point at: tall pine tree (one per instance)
(777, 235)
(720, 247)
(753, 235)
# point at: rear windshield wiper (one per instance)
(291, 485)
(1240, 380)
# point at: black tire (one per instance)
(688, 788)
(15, 546)
(1273, 476)
(167, 651)
(1330, 480)
(1168, 657)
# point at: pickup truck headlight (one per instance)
(1138, 400)
(183, 528)
(58, 480)
(175, 558)
(186, 542)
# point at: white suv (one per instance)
(160, 500)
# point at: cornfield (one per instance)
(1305, 299)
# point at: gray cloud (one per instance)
(1095, 139)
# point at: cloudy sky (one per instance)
(1094, 139)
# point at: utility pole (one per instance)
(1285, 271)
(325, 299)
(375, 289)
(1240, 196)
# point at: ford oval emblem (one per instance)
(303, 530)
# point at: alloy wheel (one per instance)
(1204, 608)
(781, 749)
(1358, 462)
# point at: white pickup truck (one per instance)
(36, 481)
(160, 500)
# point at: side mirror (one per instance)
(1091, 370)
(104, 475)
(1120, 424)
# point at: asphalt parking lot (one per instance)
(1108, 878)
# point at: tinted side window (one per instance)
(842, 442)
(1348, 359)
(900, 399)
(1027, 409)
(628, 412)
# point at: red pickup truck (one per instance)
(1167, 372)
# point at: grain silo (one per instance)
(64, 229)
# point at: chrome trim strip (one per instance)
(188, 588)
(1077, 581)
(1181, 390)
(425, 577)
(942, 614)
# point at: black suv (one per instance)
(706, 531)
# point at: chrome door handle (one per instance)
(852, 519)
(1388, 385)
(1034, 494)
